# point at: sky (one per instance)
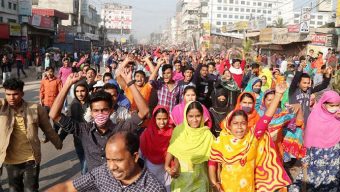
(148, 15)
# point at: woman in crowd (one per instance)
(266, 78)
(321, 166)
(154, 143)
(219, 109)
(254, 86)
(286, 127)
(243, 158)
(189, 148)
(177, 113)
(233, 91)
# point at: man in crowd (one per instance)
(204, 85)
(122, 171)
(94, 134)
(19, 143)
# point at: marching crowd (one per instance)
(181, 121)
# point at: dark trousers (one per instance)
(20, 68)
(23, 177)
(1, 190)
(80, 153)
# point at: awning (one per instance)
(50, 13)
(4, 31)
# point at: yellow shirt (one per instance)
(19, 149)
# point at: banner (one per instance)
(14, 29)
(305, 20)
(41, 21)
(25, 7)
(293, 28)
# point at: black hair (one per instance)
(255, 66)
(264, 77)
(304, 75)
(195, 105)
(188, 67)
(14, 84)
(302, 58)
(238, 113)
(323, 67)
(206, 66)
(177, 61)
(269, 92)
(190, 87)
(101, 96)
(141, 72)
(95, 72)
(166, 67)
(235, 60)
(212, 63)
(131, 140)
(81, 84)
(110, 86)
(160, 110)
(249, 95)
(49, 68)
(107, 75)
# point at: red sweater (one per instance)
(237, 77)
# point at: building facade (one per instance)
(9, 11)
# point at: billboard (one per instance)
(25, 7)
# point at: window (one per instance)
(259, 4)
(319, 23)
(218, 30)
(241, 17)
(312, 16)
(269, 12)
(236, 1)
(247, 17)
(264, 11)
(231, 1)
(11, 20)
(312, 22)
(225, 8)
(247, 10)
(230, 23)
(243, 2)
(296, 15)
(269, 5)
(224, 23)
(14, 6)
(1, 20)
(320, 17)
(218, 15)
(225, 16)
(219, 8)
(230, 9)
(265, 4)
(236, 9)
(269, 19)
(9, 5)
(253, 10)
(218, 23)
(230, 16)
(236, 16)
(2, 3)
(296, 21)
(248, 3)
(259, 11)
(242, 9)
(220, 1)
(254, 3)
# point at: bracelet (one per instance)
(131, 83)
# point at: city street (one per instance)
(56, 166)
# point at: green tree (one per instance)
(279, 23)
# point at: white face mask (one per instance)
(333, 110)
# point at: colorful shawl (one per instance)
(154, 142)
(229, 84)
(323, 129)
(248, 164)
(178, 111)
(249, 88)
(191, 144)
(286, 138)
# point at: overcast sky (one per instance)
(148, 15)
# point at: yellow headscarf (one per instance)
(266, 72)
(189, 144)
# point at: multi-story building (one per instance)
(117, 19)
(9, 11)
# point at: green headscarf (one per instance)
(189, 144)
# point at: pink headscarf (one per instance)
(323, 129)
(177, 114)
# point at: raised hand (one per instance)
(281, 88)
(74, 77)
(126, 74)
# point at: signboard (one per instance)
(293, 28)
(319, 39)
(325, 5)
(25, 7)
(305, 19)
(14, 29)
(41, 21)
(266, 35)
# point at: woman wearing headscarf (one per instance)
(189, 95)
(154, 143)
(189, 147)
(286, 128)
(244, 158)
(322, 139)
(219, 109)
(267, 79)
(254, 86)
(233, 91)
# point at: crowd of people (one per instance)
(181, 121)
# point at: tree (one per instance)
(279, 23)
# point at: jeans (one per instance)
(20, 67)
(23, 177)
(80, 153)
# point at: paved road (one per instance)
(56, 166)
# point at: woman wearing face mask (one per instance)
(154, 143)
(189, 95)
(219, 109)
(233, 91)
(254, 85)
(322, 139)
(190, 146)
(243, 158)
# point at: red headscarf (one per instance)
(154, 142)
